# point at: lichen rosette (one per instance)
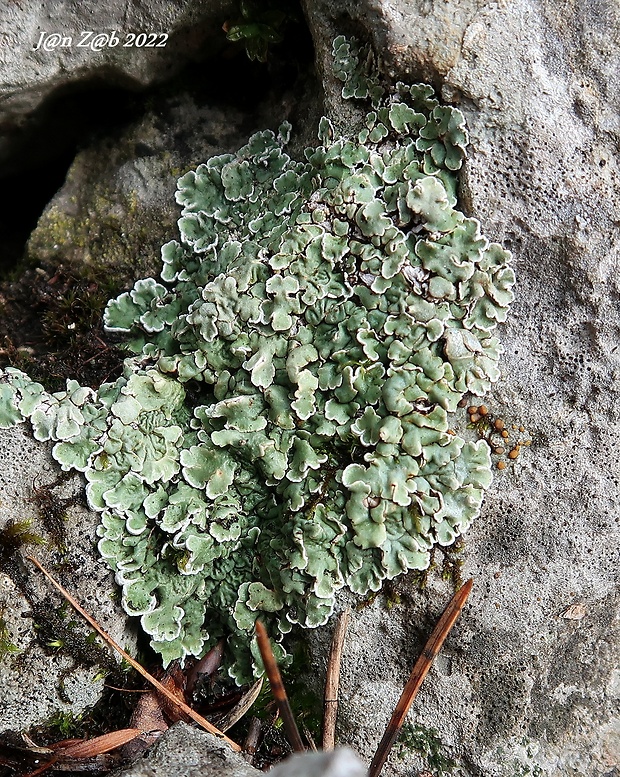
(281, 430)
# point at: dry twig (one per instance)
(332, 680)
(309, 737)
(138, 667)
(251, 741)
(277, 688)
(419, 672)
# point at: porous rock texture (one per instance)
(529, 681)
(55, 666)
(188, 752)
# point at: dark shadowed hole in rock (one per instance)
(24, 203)
(36, 153)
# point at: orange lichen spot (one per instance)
(501, 465)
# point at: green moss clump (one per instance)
(426, 743)
(7, 646)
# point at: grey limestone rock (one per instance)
(184, 751)
(117, 206)
(47, 46)
(55, 667)
(528, 683)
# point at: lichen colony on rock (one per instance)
(324, 316)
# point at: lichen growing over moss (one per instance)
(281, 430)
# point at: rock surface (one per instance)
(184, 751)
(116, 207)
(118, 198)
(45, 47)
(529, 682)
(55, 667)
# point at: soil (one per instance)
(51, 325)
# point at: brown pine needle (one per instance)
(419, 672)
(277, 688)
(332, 680)
(99, 745)
(138, 667)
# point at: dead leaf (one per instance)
(241, 708)
(148, 717)
(575, 612)
(207, 665)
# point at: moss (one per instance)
(108, 232)
(426, 742)
(452, 563)
(14, 536)
(261, 24)
(7, 647)
(52, 511)
(65, 725)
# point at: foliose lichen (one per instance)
(281, 430)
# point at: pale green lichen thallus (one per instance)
(328, 314)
